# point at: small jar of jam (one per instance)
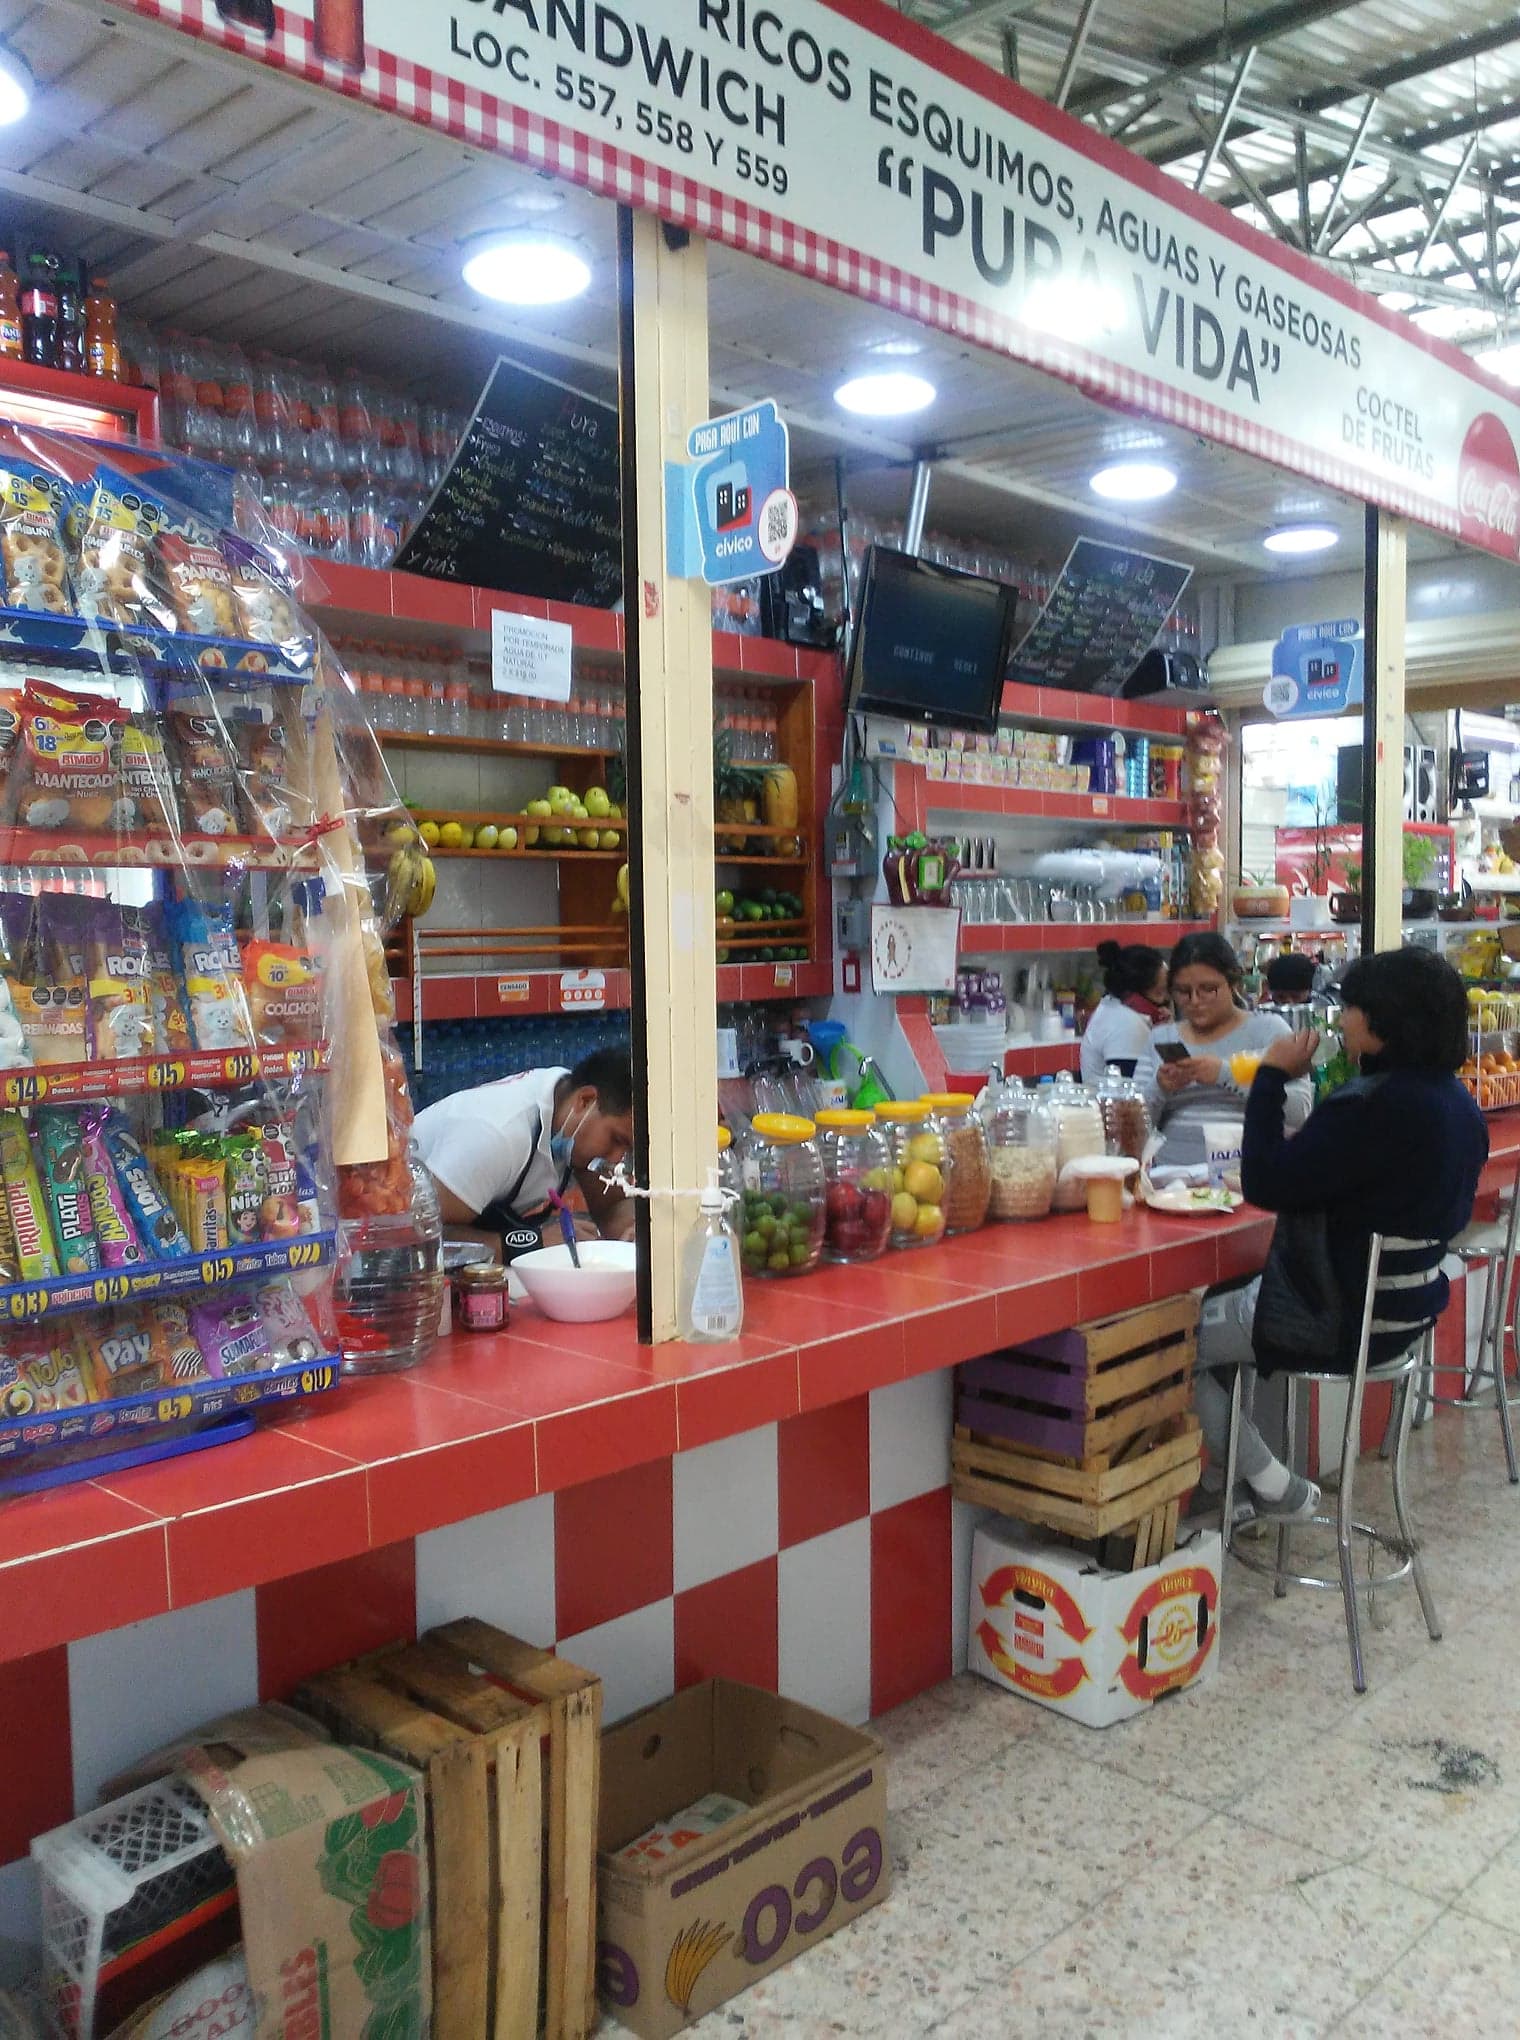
(480, 1297)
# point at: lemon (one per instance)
(451, 836)
(431, 834)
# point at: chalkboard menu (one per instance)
(530, 502)
(1101, 619)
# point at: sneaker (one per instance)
(1298, 1505)
(1246, 1508)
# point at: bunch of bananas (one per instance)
(410, 877)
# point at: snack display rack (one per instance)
(186, 929)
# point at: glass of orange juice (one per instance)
(1243, 1067)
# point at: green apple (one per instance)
(596, 801)
(590, 839)
(554, 838)
(530, 836)
(468, 842)
(611, 840)
(539, 809)
(506, 838)
(724, 902)
(562, 801)
(486, 836)
(614, 810)
(560, 792)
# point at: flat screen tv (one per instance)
(932, 643)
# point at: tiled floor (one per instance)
(1269, 1857)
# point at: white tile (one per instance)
(134, 1689)
(634, 1657)
(20, 1922)
(725, 1506)
(910, 1438)
(823, 1592)
(499, 1566)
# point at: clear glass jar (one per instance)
(730, 1166)
(1079, 1131)
(1022, 1136)
(1126, 1117)
(968, 1172)
(918, 1173)
(857, 1163)
(784, 1197)
(390, 1283)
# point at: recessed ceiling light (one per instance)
(1133, 481)
(15, 87)
(891, 393)
(526, 269)
(1302, 538)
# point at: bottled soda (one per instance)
(71, 295)
(10, 310)
(102, 348)
(39, 309)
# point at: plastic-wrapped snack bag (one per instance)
(186, 1361)
(203, 1183)
(42, 1370)
(146, 799)
(154, 1220)
(230, 1333)
(118, 973)
(383, 1189)
(67, 773)
(36, 1255)
(116, 1236)
(128, 1354)
(31, 547)
(48, 989)
(205, 777)
(247, 1188)
(274, 805)
(280, 1218)
(292, 1337)
(211, 972)
(266, 609)
(171, 1028)
(60, 1159)
(284, 994)
(200, 586)
(118, 579)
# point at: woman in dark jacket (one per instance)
(1397, 1151)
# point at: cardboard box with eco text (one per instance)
(1101, 1646)
(684, 1933)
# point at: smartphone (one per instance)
(1174, 1051)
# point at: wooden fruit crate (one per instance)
(1082, 1394)
(508, 1739)
(1090, 1499)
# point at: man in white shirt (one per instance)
(496, 1152)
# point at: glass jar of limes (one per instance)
(785, 1197)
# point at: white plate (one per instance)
(1185, 1205)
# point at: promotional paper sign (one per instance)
(730, 513)
(913, 949)
(959, 199)
(530, 655)
(1316, 670)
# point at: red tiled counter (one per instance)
(494, 1420)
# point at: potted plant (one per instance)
(1260, 898)
(1420, 901)
(1311, 909)
(1347, 904)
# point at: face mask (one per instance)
(562, 1144)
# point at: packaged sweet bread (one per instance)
(41, 1370)
(31, 547)
(200, 587)
(171, 1029)
(284, 994)
(146, 800)
(266, 608)
(275, 802)
(205, 775)
(47, 938)
(210, 969)
(67, 772)
(186, 1361)
(118, 578)
(127, 1354)
(118, 984)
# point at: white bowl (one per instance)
(602, 1287)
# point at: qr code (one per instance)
(778, 522)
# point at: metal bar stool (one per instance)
(1403, 1374)
(1490, 1245)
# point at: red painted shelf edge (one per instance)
(1099, 711)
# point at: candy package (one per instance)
(186, 1362)
(199, 584)
(170, 1027)
(118, 974)
(293, 1341)
(157, 1227)
(116, 1236)
(284, 994)
(67, 771)
(30, 1228)
(60, 1160)
(281, 1216)
(205, 778)
(247, 1187)
(202, 1179)
(41, 1370)
(210, 968)
(127, 1356)
(230, 1334)
(118, 579)
(31, 547)
(47, 938)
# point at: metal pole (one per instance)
(918, 507)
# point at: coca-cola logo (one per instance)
(1488, 487)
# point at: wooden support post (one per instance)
(663, 372)
(1387, 542)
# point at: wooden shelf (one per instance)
(483, 747)
(1035, 937)
(1112, 810)
(581, 856)
(792, 863)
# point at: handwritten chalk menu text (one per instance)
(1101, 619)
(530, 502)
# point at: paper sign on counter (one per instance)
(530, 655)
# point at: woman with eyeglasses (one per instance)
(1185, 1071)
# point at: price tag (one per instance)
(221, 1269)
(165, 1076)
(305, 1254)
(174, 1408)
(29, 1303)
(240, 1069)
(111, 1288)
(25, 1087)
(1100, 804)
(783, 977)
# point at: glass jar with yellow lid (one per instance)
(730, 1164)
(918, 1179)
(857, 1163)
(967, 1163)
(784, 1189)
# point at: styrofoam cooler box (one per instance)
(1101, 1646)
